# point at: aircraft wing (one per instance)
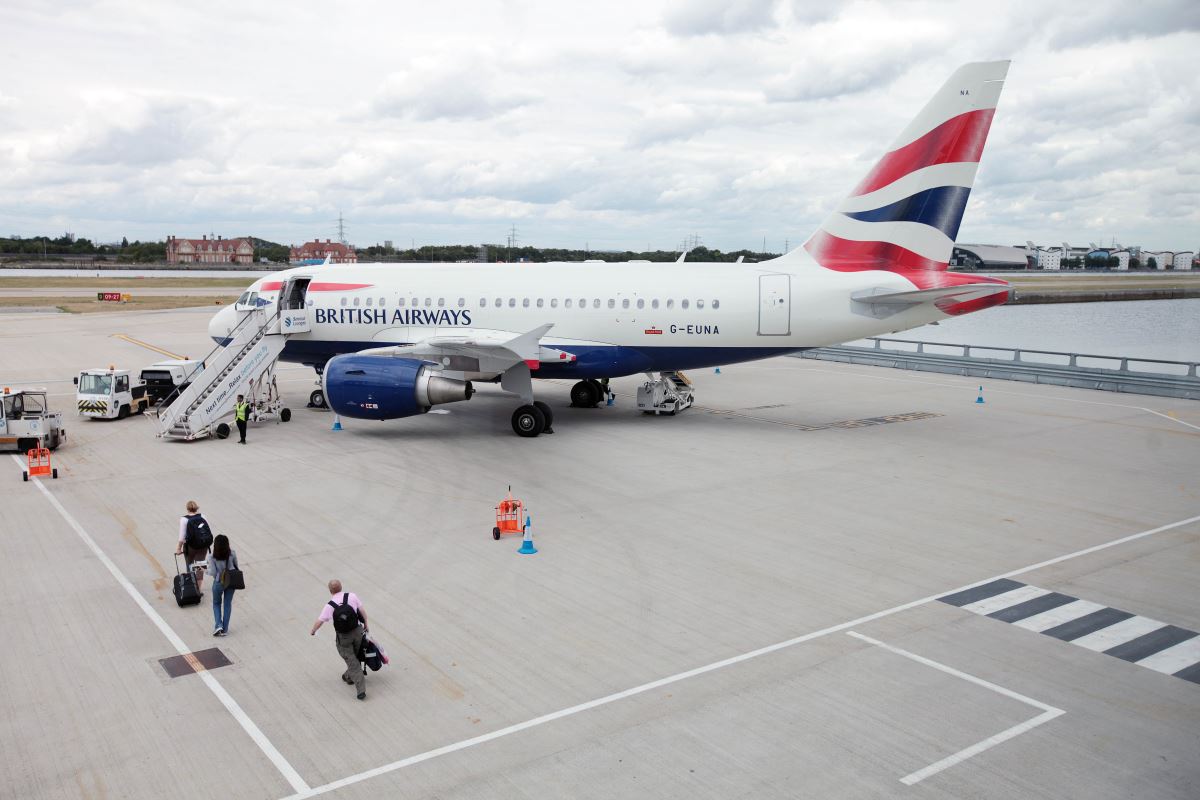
(479, 350)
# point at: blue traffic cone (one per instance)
(718, 370)
(337, 422)
(611, 399)
(979, 400)
(527, 547)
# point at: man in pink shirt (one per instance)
(349, 620)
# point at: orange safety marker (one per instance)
(510, 516)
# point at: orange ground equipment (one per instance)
(510, 517)
(38, 460)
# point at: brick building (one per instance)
(209, 251)
(317, 251)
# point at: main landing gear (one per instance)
(587, 394)
(533, 419)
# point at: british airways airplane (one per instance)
(391, 340)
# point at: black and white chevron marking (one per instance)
(1147, 642)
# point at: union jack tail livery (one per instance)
(903, 217)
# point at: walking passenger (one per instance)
(195, 537)
(219, 562)
(349, 623)
(241, 411)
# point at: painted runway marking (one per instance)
(1095, 627)
(1048, 712)
(147, 345)
(252, 730)
(350, 780)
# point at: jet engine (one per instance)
(381, 387)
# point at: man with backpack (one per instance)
(349, 620)
(195, 537)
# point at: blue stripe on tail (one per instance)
(941, 207)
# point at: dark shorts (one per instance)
(194, 555)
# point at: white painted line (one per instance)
(1119, 633)
(286, 769)
(1174, 658)
(1005, 599)
(716, 665)
(1048, 713)
(1057, 616)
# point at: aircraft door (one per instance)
(293, 306)
(774, 305)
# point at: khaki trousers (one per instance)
(347, 647)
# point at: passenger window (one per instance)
(554, 302)
(512, 302)
(540, 302)
(525, 303)
(654, 303)
(441, 302)
(699, 304)
(383, 301)
(683, 304)
(625, 303)
(400, 302)
(370, 300)
(641, 303)
(483, 302)
(670, 302)
(344, 301)
(499, 302)
(612, 303)
(716, 304)
(462, 301)
(582, 303)
(356, 301)
(567, 303)
(428, 302)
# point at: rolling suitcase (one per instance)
(186, 593)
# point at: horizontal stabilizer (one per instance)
(952, 300)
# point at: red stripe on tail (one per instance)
(957, 139)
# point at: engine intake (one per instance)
(381, 387)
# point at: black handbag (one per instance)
(232, 577)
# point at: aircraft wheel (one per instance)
(223, 431)
(286, 415)
(547, 413)
(585, 394)
(317, 399)
(528, 421)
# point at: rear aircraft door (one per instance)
(293, 306)
(774, 305)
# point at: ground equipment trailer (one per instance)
(165, 380)
(110, 393)
(26, 421)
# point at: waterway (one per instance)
(1164, 329)
(132, 273)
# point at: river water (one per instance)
(1164, 329)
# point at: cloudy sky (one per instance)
(615, 125)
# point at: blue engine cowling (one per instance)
(382, 387)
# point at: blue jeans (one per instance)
(220, 593)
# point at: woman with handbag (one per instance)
(227, 578)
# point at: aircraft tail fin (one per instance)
(905, 214)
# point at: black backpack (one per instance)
(345, 618)
(370, 655)
(199, 535)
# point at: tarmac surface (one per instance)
(782, 592)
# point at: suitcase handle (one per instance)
(177, 572)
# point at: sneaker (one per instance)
(216, 631)
(362, 695)
(219, 632)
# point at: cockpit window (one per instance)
(245, 298)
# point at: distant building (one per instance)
(317, 251)
(209, 251)
(990, 256)
(1163, 260)
(1122, 257)
(1183, 259)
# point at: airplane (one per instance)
(389, 341)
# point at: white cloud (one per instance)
(627, 124)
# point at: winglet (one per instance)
(682, 256)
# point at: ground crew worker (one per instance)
(350, 623)
(241, 411)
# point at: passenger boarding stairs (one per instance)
(246, 365)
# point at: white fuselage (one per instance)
(617, 318)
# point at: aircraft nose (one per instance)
(221, 325)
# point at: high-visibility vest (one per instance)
(240, 410)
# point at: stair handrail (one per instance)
(204, 361)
